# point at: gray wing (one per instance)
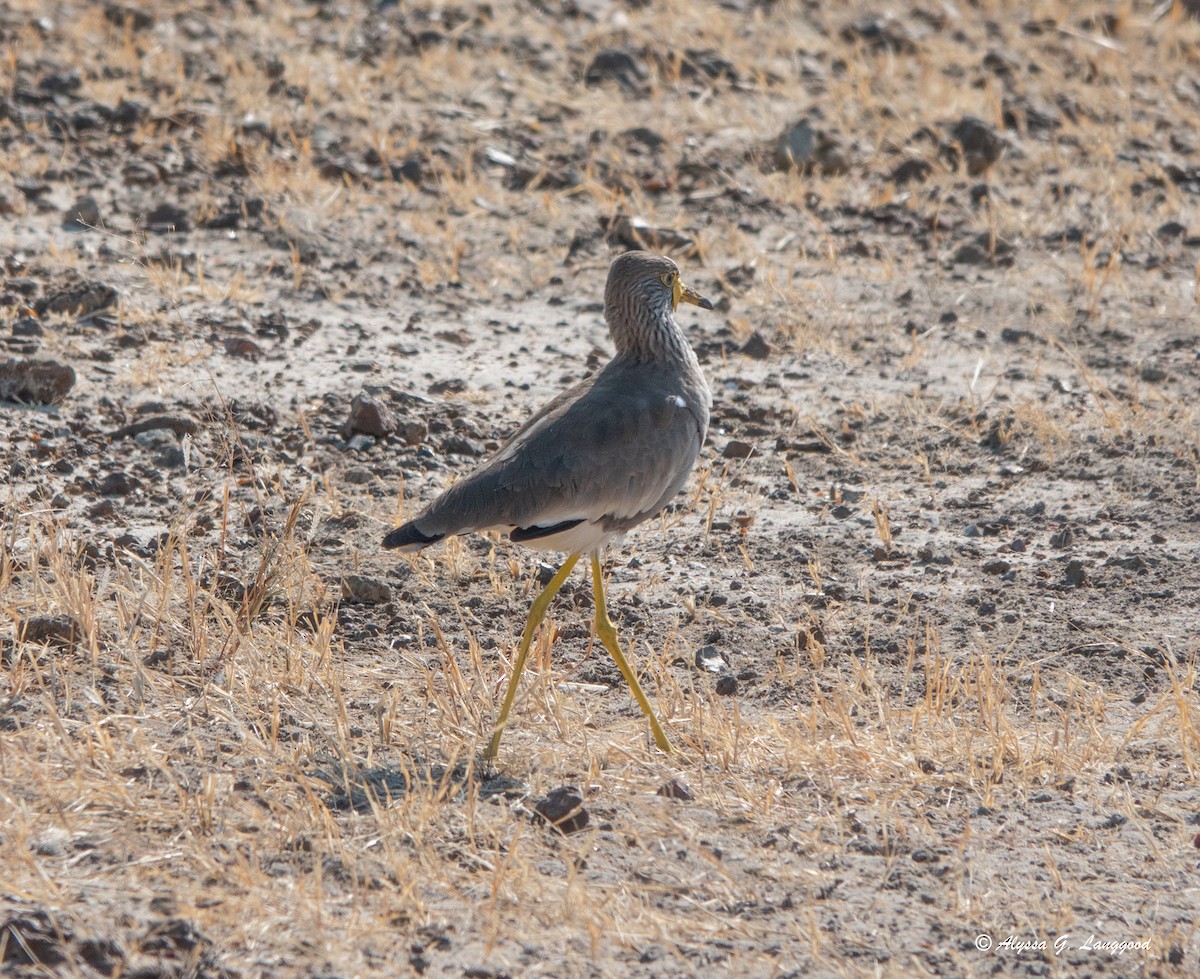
(613, 449)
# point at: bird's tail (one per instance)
(408, 539)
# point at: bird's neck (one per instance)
(659, 340)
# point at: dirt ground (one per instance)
(923, 628)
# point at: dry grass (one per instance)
(212, 765)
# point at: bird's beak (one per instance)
(681, 293)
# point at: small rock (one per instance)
(243, 347)
(880, 34)
(710, 658)
(460, 445)
(674, 789)
(809, 150)
(736, 449)
(369, 416)
(614, 64)
(81, 299)
(359, 589)
(409, 171)
(1062, 538)
(982, 251)
(117, 484)
(635, 232)
(27, 326)
(61, 83)
(412, 431)
(128, 16)
(59, 630)
(145, 542)
(756, 347)
(98, 511)
(975, 143)
(83, 215)
(38, 382)
(1076, 574)
(563, 809)
(912, 170)
(997, 567)
(168, 218)
(727, 686)
(650, 138)
(128, 113)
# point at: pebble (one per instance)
(168, 218)
(39, 382)
(803, 147)
(83, 215)
(711, 659)
(61, 630)
(727, 686)
(79, 299)
(615, 64)
(359, 589)
(756, 348)
(912, 170)
(674, 789)
(563, 809)
(117, 484)
(974, 142)
(369, 416)
(145, 542)
(736, 449)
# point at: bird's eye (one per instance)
(667, 279)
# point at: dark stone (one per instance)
(614, 64)
(809, 150)
(1062, 538)
(369, 417)
(756, 347)
(131, 17)
(710, 658)
(880, 34)
(974, 142)
(117, 484)
(39, 382)
(1076, 574)
(727, 686)
(81, 299)
(59, 630)
(735, 449)
(912, 170)
(168, 218)
(460, 445)
(563, 809)
(674, 789)
(410, 170)
(359, 589)
(83, 215)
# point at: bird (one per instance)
(595, 461)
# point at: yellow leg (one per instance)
(537, 612)
(608, 635)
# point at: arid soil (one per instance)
(923, 628)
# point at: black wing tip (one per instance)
(410, 538)
(520, 534)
